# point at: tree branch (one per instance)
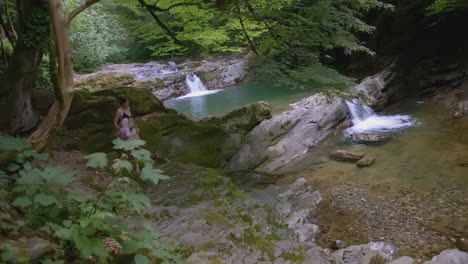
(172, 6)
(80, 9)
(245, 31)
(151, 9)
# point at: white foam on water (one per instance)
(199, 93)
(365, 119)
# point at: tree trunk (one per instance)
(20, 76)
(61, 106)
(64, 83)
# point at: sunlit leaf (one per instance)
(119, 165)
(142, 154)
(97, 160)
(127, 144)
(152, 175)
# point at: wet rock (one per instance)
(369, 137)
(29, 249)
(347, 155)
(462, 242)
(403, 260)
(162, 80)
(374, 89)
(365, 162)
(338, 244)
(285, 137)
(450, 256)
(374, 252)
(461, 109)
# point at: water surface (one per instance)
(228, 99)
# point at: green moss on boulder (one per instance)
(103, 81)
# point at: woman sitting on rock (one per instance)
(123, 113)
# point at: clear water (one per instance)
(232, 98)
(433, 153)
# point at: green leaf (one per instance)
(142, 154)
(88, 246)
(153, 175)
(66, 223)
(127, 144)
(57, 175)
(44, 199)
(94, 246)
(10, 143)
(141, 259)
(130, 246)
(50, 261)
(138, 201)
(119, 165)
(12, 167)
(29, 176)
(97, 160)
(32, 153)
(22, 202)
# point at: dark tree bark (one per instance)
(20, 76)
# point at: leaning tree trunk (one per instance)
(64, 82)
(20, 76)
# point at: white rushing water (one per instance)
(196, 86)
(366, 120)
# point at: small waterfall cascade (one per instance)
(366, 120)
(359, 110)
(194, 84)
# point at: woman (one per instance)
(124, 113)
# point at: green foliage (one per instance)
(199, 26)
(82, 224)
(95, 36)
(303, 35)
(446, 6)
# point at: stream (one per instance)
(414, 196)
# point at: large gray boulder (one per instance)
(450, 256)
(372, 252)
(375, 89)
(285, 137)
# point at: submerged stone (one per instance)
(370, 137)
(365, 162)
(347, 155)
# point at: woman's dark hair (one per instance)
(123, 100)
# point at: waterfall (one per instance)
(366, 120)
(359, 110)
(194, 84)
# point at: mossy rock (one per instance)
(92, 114)
(243, 119)
(159, 83)
(145, 85)
(103, 81)
(184, 140)
(142, 101)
